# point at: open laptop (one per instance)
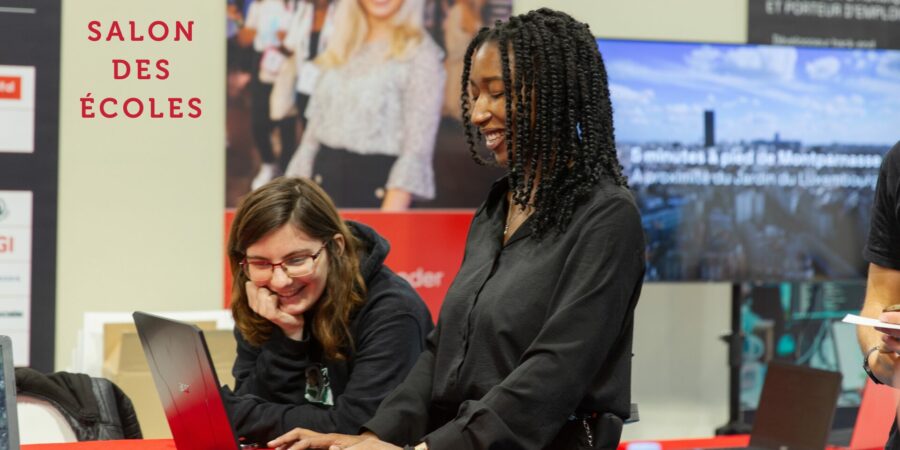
(187, 383)
(796, 408)
(9, 426)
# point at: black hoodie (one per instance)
(271, 393)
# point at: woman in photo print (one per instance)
(374, 113)
(324, 329)
(265, 27)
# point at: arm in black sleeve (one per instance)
(386, 351)
(403, 416)
(274, 371)
(883, 245)
(591, 307)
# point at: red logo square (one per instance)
(11, 88)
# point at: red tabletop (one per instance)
(738, 440)
(168, 444)
(132, 444)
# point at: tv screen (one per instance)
(753, 162)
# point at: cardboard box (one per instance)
(124, 364)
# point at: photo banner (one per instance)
(29, 154)
(380, 130)
(861, 24)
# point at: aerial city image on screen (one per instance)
(753, 162)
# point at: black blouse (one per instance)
(529, 333)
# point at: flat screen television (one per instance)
(753, 162)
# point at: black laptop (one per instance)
(9, 429)
(796, 408)
(187, 383)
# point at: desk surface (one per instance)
(168, 444)
(134, 444)
(738, 440)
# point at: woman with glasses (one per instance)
(324, 329)
(533, 346)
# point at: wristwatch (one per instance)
(869, 369)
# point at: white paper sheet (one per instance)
(865, 321)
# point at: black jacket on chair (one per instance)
(95, 408)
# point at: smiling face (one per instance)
(295, 295)
(488, 100)
(381, 10)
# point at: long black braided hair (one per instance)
(570, 142)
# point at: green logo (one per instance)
(318, 386)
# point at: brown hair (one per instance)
(305, 205)
(350, 27)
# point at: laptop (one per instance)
(9, 425)
(187, 383)
(796, 408)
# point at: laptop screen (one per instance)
(4, 414)
(187, 384)
(9, 430)
(796, 407)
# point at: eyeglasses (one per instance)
(293, 267)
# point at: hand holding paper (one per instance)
(868, 322)
(891, 338)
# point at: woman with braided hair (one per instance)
(533, 345)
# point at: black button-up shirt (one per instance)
(529, 333)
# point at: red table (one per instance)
(133, 444)
(738, 440)
(168, 444)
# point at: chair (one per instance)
(41, 423)
(68, 407)
(634, 415)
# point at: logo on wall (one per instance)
(11, 88)
(4, 211)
